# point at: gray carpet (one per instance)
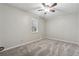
(45, 47)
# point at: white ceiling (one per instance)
(61, 8)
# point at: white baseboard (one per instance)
(20, 45)
(73, 42)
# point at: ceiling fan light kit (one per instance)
(48, 7)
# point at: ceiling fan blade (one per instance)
(45, 13)
(41, 10)
(52, 10)
(53, 5)
(44, 4)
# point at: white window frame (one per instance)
(34, 25)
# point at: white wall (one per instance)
(64, 27)
(16, 27)
(78, 26)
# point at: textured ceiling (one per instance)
(61, 8)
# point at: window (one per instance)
(34, 25)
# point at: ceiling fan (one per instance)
(48, 7)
